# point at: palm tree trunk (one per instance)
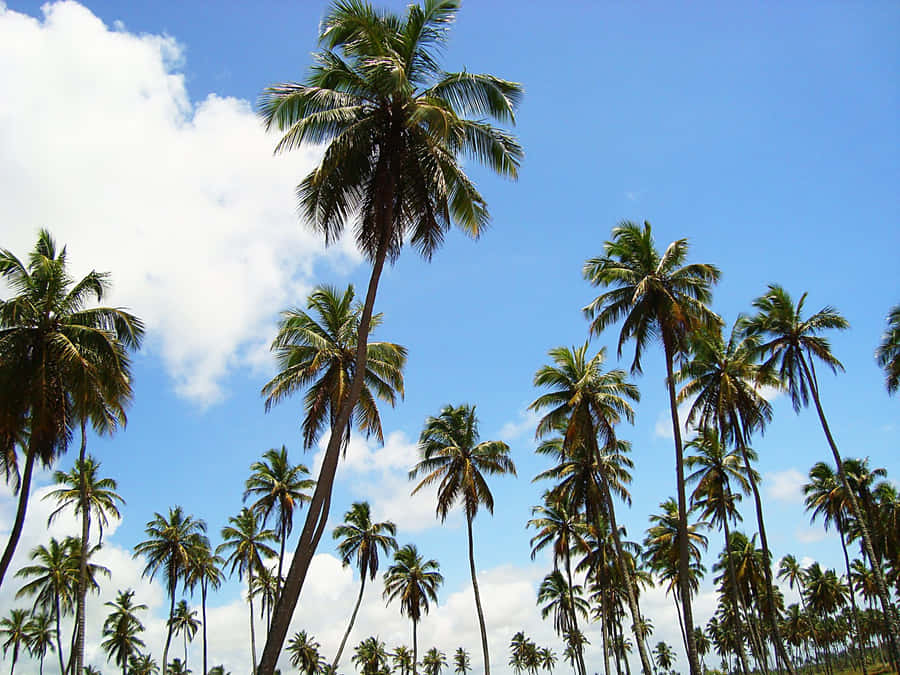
(860, 645)
(252, 630)
(579, 652)
(735, 598)
(203, 610)
(165, 664)
(484, 642)
(362, 587)
(82, 566)
(19, 522)
(317, 515)
(604, 630)
(889, 609)
(683, 544)
(62, 668)
(680, 622)
(415, 664)
(280, 563)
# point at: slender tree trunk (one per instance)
(604, 630)
(889, 609)
(62, 668)
(362, 587)
(203, 610)
(683, 544)
(860, 646)
(82, 566)
(252, 629)
(317, 515)
(19, 522)
(415, 651)
(680, 622)
(579, 651)
(165, 663)
(280, 562)
(484, 642)
(735, 598)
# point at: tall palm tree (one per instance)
(461, 662)
(452, 456)
(53, 351)
(14, 633)
(659, 297)
(794, 344)
(184, 621)
(204, 570)
(279, 487)
(888, 352)
(172, 543)
(361, 539)
(247, 544)
(413, 581)
(396, 125)
(588, 403)
(122, 628)
(304, 651)
(40, 637)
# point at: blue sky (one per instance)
(766, 134)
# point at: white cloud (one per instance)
(182, 202)
(514, 429)
(785, 486)
(810, 535)
(663, 426)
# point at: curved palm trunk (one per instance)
(860, 646)
(203, 610)
(683, 544)
(280, 564)
(484, 642)
(889, 609)
(19, 522)
(735, 598)
(362, 587)
(165, 665)
(252, 629)
(82, 564)
(579, 650)
(780, 653)
(317, 515)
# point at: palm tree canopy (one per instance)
(316, 351)
(184, 620)
(451, 455)
(172, 542)
(413, 581)
(888, 353)
(304, 651)
(361, 538)
(715, 471)
(247, 543)
(100, 493)
(278, 487)
(54, 574)
(395, 125)
(562, 601)
(661, 546)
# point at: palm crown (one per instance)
(413, 581)
(361, 538)
(888, 353)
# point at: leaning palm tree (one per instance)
(184, 621)
(413, 581)
(304, 651)
(361, 539)
(888, 352)
(588, 403)
(793, 344)
(172, 543)
(659, 297)
(53, 350)
(396, 125)
(14, 633)
(247, 544)
(40, 637)
(452, 456)
(279, 487)
(122, 628)
(204, 570)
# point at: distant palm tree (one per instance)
(452, 455)
(205, 570)
(461, 661)
(172, 545)
(564, 603)
(13, 630)
(304, 651)
(265, 587)
(248, 544)
(665, 657)
(371, 656)
(548, 659)
(659, 297)
(413, 581)
(888, 352)
(121, 630)
(184, 621)
(361, 539)
(402, 658)
(177, 667)
(40, 637)
(143, 664)
(279, 487)
(434, 661)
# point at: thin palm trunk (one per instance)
(889, 609)
(484, 642)
(165, 666)
(415, 665)
(735, 598)
(683, 544)
(59, 650)
(337, 658)
(252, 630)
(280, 563)
(203, 610)
(680, 621)
(860, 646)
(604, 630)
(19, 522)
(317, 515)
(82, 564)
(579, 654)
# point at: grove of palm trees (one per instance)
(528, 442)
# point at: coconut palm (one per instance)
(452, 456)
(361, 539)
(371, 656)
(402, 658)
(461, 661)
(173, 542)
(793, 344)
(40, 637)
(184, 621)
(143, 664)
(588, 403)
(14, 633)
(54, 352)
(204, 570)
(304, 651)
(664, 655)
(279, 487)
(396, 125)
(888, 352)
(434, 661)
(121, 630)
(659, 297)
(561, 601)
(178, 667)
(265, 587)
(413, 581)
(247, 544)
(548, 659)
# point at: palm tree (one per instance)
(184, 621)
(361, 539)
(304, 651)
(548, 659)
(248, 545)
(40, 636)
(452, 455)
(461, 661)
(403, 659)
(121, 629)
(588, 403)
(173, 543)
(84, 490)
(265, 587)
(178, 667)
(205, 570)
(54, 352)
(278, 487)
(563, 602)
(888, 352)
(434, 661)
(793, 344)
(371, 656)
(658, 296)
(142, 664)
(665, 657)
(395, 124)
(413, 581)
(14, 629)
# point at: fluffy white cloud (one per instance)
(785, 486)
(514, 429)
(182, 202)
